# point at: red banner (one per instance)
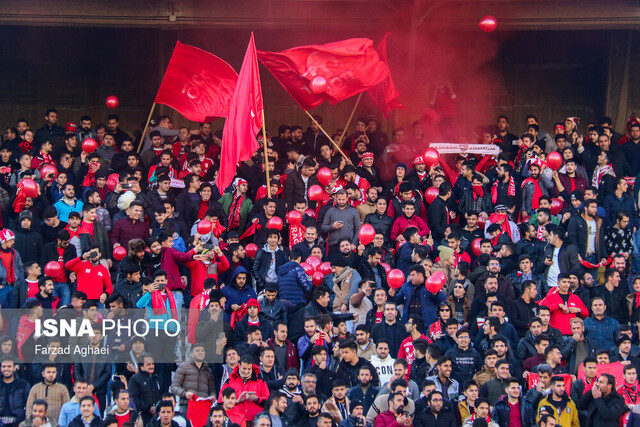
(532, 381)
(385, 95)
(346, 68)
(197, 84)
(614, 369)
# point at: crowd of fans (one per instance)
(536, 324)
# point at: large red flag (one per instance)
(349, 67)
(197, 84)
(244, 120)
(385, 95)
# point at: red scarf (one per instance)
(296, 234)
(25, 330)
(20, 200)
(46, 158)
(629, 392)
(637, 300)
(159, 308)
(510, 192)
(537, 192)
(218, 229)
(25, 146)
(234, 211)
(497, 217)
(478, 191)
(90, 177)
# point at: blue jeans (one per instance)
(62, 291)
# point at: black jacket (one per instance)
(567, 259)
(145, 391)
(78, 422)
(437, 215)
(262, 262)
(381, 223)
(428, 419)
(604, 411)
(578, 235)
(379, 332)
(521, 313)
(28, 244)
(294, 188)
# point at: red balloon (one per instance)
(366, 234)
(275, 222)
(387, 267)
(119, 253)
(204, 227)
(48, 171)
(317, 278)
(318, 84)
(314, 262)
(294, 218)
(315, 192)
(431, 157)
(29, 187)
(112, 181)
(112, 101)
(307, 268)
(481, 222)
(395, 278)
(53, 269)
(311, 213)
(325, 268)
(488, 24)
(556, 206)
(324, 176)
(554, 160)
(89, 145)
(251, 250)
(431, 194)
(435, 282)
(475, 246)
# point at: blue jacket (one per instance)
(603, 332)
(70, 410)
(404, 258)
(235, 295)
(613, 205)
(293, 283)
(18, 268)
(428, 301)
(64, 209)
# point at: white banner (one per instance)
(481, 149)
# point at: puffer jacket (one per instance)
(293, 283)
(344, 286)
(249, 408)
(262, 263)
(236, 295)
(188, 377)
(501, 412)
(568, 417)
(29, 244)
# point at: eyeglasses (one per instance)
(444, 309)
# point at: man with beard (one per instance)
(45, 295)
(14, 392)
(349, 368)
(396, 414)
(503, 190)
(338, 405)
(434, 415)
(364, 391)
(559, 404)
(217, 417)
(312, 410)
(93, 278)
(587, 234)
(534, 187)
(341, 222)
(291, 391)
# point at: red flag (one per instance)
(197, 84)
(348, 67)
(385, 95)
(244, 120)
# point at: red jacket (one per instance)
(93, 280)
(387, 419)
(169, 262)
(200, 272)
(254, 384)
(559, 319)
(402, 222)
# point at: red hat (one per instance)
(253, 303)
(367, 155)
(418, 160)
(71, 127)
(6, 235)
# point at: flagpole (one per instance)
(349, 121)
(327, 135)
(146, 127)
(266, 157)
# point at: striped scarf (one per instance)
(511, 191)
